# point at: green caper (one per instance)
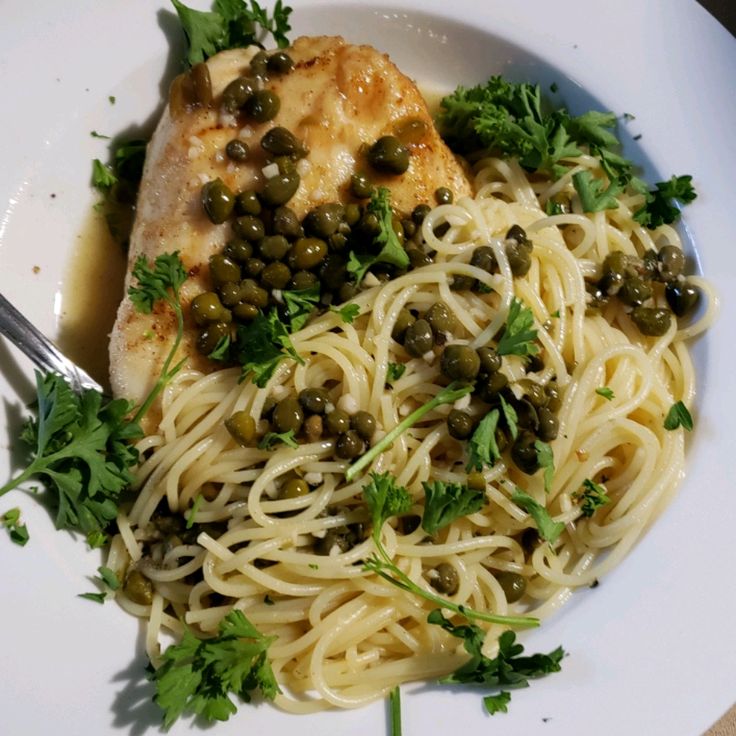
(295, 488)
(259, 64)
(242, 428)
(534, 393)
(409, 227)
(446, 581)
(460, 282)
(280, 189)
(313, 428)
(282, 142)
(288, 415)
(247, 203)
(249, 227)
(443, 195)
(138, 588)
(349, 445)
(347, 292)
(201, 83)
(273, 247)
(611, 282)
(223, 269)
(314, 400)
(484, 257)
(389, 155)
(519, 259)
(490, 360)
(513, 585)
(489, 389)
(554, 399)
(333, 272)
(254, 294)
(352, 214)
(517, 233)
(420, 212)
(302, 280)
(476, 481)
(524, 453)
(615, 262)
(652, 321)
(245, 312)
(262, 105)
(526, 414)
(369, 225)
(210, 337)
(418, 258)
(360, 186)
(207, 308)
(324, 220)
(217, 200)
(682, 297)
(237, 150)
(253, 267)
(440, 318)
(280, 63)
(231, 293)
(459, 424)
(237, 93)
(307, 253)
(671, 262)
(276, 275)
(337, 241)
(549, 425)
(418, 338)
(403, 321)
(286, 223)
(460, 362)
(364, 423)
(634, 292)
(238, 250)
(338, 421)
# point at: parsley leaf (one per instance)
(231, 24)
(659, 208)
(272, 438)
(300, 304)
(384, 499)
(197, 676)
(678, 416)
(348, 312)
(103, 177)
(221, 351)
(518, 334)
(548, 529)
(482, 446)
(193, 510)
(395, 371)
(593, 197)
(18, 532)
(445, 502)
(108, 577)
(605, 392)
(593, 496)
(497, 703)
(94, 597)
(510, 416)
(546, 460)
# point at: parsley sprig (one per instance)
(445, 502)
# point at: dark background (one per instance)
(724, 11)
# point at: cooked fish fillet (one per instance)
(337, 99)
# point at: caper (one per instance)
(682, 297)
(276, 275)
(324, 220)
(364, 424)
(489, 389)
(242, 428)
(360, 186)
(338, 421)
(280, 62)
(259, 64)
(237, 93)
(443, 195)
(418, 338)
(519, 259)
(671, 262)
(554, 400)
(409, 227)
(524, 453)
(249, 227)
(295, 488)
(347, 292)
(314, 400)
(418, 258)
(526, 414)
(273, 247)
(476, 481)
(201, 84)
(282, 142)
(459, 424)
(461, 282)
(446, 581)
(207, 308)
(253, 267)
(648, 266)
(222, 269)
(349, 445)
(337, 241)
(403, 320)
(218, 201)
(549, 425)
(280, 189)
(534, 393)
(369, 225)
(138, 588)
(611, 282)
(440, 318)
(339, 539)
(420, 212)
(237, 150)
(231, 293)
(307, 253)
(247, 203)
(303, 280)
(460, 362)
(352, 214)
(513, 585)
(313, 428)
(238, 250)
(288, 415)
(263, 105)
(333, 272)
(210, 337)
(490, 360)
(245, 312)
(634, 292)
(389, 155)
(652, 321)
(615, 262)
(254, 294)
(517, 233)
(484, 257)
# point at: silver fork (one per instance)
(36, 346)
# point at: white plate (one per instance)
(652, 650)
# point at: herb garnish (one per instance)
(445, 502)
(272, 438)
(299, 305)
(395, 371)
(348, 312)
(548, 529)
(605, 392)
(678, 416)
(518, 336)
(18, 532)
(592, 496)
(482, 446)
